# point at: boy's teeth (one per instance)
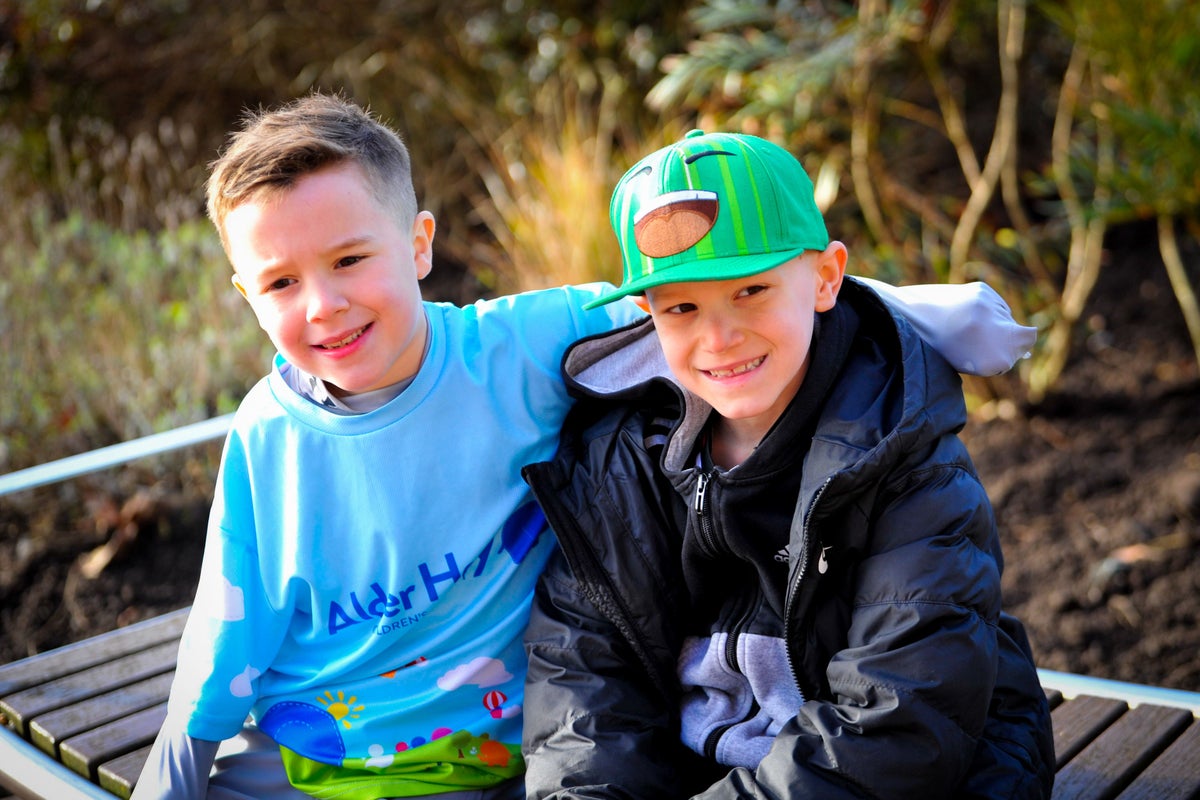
(725, 373)
(343, 342)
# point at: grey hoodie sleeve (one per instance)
(177, 767)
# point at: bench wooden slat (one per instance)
(49, 730)
(90, 653)
(1110, 762)
(1174, 775)
(87, 751)
(1080, 721)
(119, 775)
(22, 707)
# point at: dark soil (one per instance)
(1096, 491)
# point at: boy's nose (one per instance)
(325, 300)
(720, 333)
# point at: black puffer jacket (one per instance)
(916, 685)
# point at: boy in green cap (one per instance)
(779, 572)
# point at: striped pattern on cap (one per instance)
(713, 206)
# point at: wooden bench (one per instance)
(79, 722)
(1121, 740)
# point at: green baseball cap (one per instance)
(711, 207)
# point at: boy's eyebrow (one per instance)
(274, 268)
(357, 240)
(696, 156)
(349, 243)
(260, 279)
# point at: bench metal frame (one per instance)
(28, 772)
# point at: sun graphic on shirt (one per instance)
(341, 708)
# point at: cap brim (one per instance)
(710, 269)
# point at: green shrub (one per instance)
(121, 335)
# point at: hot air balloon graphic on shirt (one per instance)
(494, 702)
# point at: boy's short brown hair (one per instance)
(274, 149)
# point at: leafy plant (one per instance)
(948, 141)
(873, 99)
(547, 179)
(1129, 126)
(123, 334)
(926, 112)
(114, 291)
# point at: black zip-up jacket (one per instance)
(914, 683)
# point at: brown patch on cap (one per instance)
(675, 227)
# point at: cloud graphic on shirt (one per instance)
(240, 686)
(227, 605)
(481, 671)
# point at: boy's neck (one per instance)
(319, 392)
(731, 444)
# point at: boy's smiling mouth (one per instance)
(346, 340)
(738, 370)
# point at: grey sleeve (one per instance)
(177, 767)
(969, 324)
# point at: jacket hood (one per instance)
(895, 397)
(622, 365)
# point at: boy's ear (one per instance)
(241, 287)
(831, 268)
(237, 284)
(424, 227)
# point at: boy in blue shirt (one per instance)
(780, 574)
(372, 550)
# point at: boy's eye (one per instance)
(680, 308)
(280, 283)
(349, 261)
(752, 290)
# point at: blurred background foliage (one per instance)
(949, 140)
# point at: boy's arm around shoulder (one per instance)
(601, 319)
(969, 324)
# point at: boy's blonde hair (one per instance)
(272, 150)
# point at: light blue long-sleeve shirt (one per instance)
(367, 578)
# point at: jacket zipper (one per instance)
(808, 547)
(702, 507)
(714, 736)
(709, 541)
(731, 660)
